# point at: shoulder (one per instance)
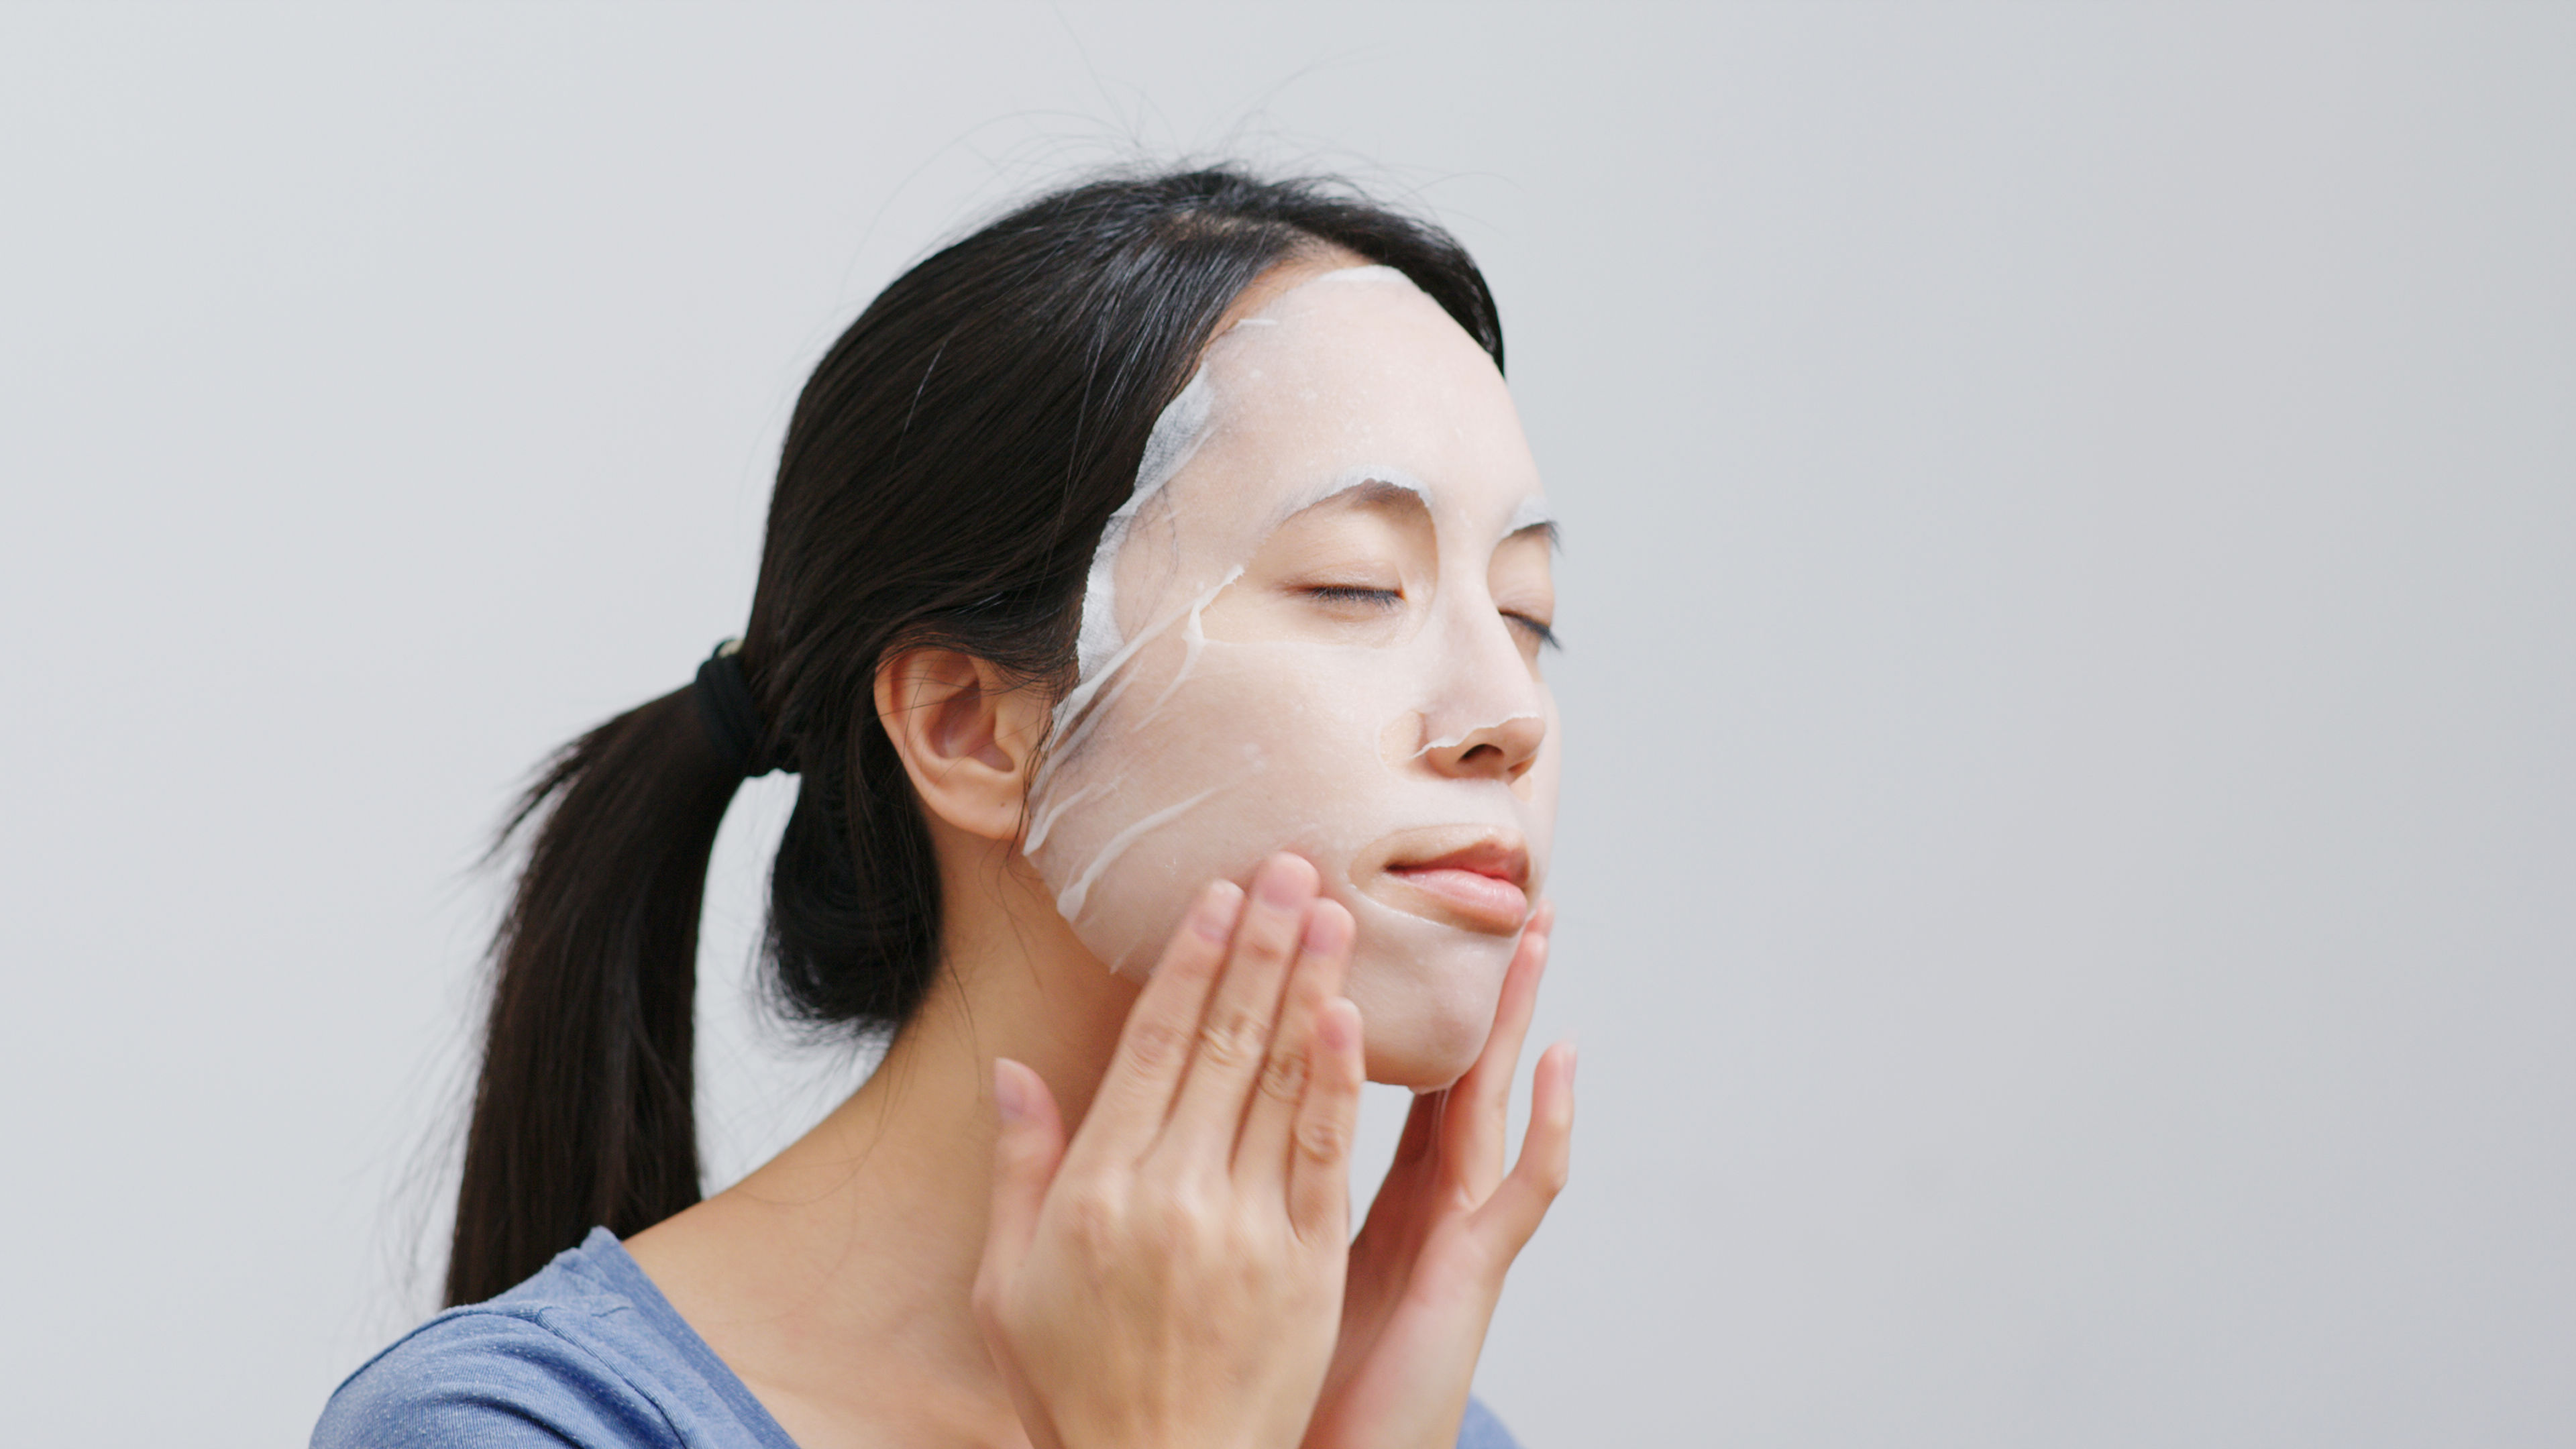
(494, 1374)
(1481, 1430)
(587, 1353)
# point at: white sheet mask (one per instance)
(1349, 435)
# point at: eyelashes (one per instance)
(1359, 597)
(1545, 636)
(1375, 600)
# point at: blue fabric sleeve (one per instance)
(1481, 1430)
(490, 1381)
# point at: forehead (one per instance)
(1357, 378)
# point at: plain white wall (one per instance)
(2069, 862)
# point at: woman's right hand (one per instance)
(1173, 1278)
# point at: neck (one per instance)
(835, 1279)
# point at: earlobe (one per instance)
(967, 734)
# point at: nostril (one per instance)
(1502, 751)
(1491, 760)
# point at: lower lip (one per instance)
(1492, 901)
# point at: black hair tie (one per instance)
(731, 715)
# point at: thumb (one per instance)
(1025, 1156)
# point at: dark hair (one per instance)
(946, 475)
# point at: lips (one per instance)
(1473, 877)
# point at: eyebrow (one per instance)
(1545, 528)
(1365, 488)
(1371, 492)
(1374, 487)
(1533, 516)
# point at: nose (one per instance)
(1487, 716)
(1500, 751)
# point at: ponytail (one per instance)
(584, 1114)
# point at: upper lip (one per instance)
(1500, 856)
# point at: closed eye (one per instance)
(1355, 595)
(1535, 628)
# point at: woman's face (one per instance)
(1317, 628)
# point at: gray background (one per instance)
(2069, 862)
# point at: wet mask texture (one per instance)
(1293, 638)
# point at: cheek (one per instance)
(1207, 758)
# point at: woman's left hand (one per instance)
(1427, 1268)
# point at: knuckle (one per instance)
(1154, 1043)
(1283, 1077)
(1231, 1038)
(1179, 1217)
(1322, 1139)
(1250, 1254)
(1269, 938)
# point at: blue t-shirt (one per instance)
(586, 1353)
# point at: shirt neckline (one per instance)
(603, 1254)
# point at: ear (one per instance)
(968, 735)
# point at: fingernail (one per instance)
(1323, 932)
(1333, 1029)
(1214, 918)
(1281, 883)
(1010, 1094)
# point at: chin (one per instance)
(1424, 1028)
(1420, 1067)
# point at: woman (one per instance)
(1151, 606)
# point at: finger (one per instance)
(1162, 1027)
(1323, 958)
(1514, 1211)
(1479, 1113)
(1319, 1174)
(1026, 1152)
(1242, 1011)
